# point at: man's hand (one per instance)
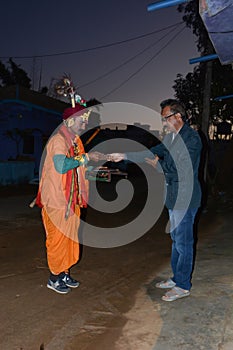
(153, 161)
(96, 156)
(115, 157)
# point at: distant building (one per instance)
(27, 119)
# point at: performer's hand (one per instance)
(96, 156)
(115, 157)
(153, 161)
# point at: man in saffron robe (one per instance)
(63, 190)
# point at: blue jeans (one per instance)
(181, 232)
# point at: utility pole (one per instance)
(40, 77)
(33, 72)
(206, 99)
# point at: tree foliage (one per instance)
(190, 88)
(12, 74)
(193, 20)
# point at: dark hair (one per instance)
(175, 106)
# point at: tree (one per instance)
(13, 75)
(189, 90)
(197, 90)
(5, 75)
(44, 90)
(193, 20)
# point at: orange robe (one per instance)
(61, 230)
(62, 250)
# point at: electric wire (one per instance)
(95, 47)
(143, 66)
(125, 62)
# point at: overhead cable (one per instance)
(95, 47)
(143, 66)
(125, 62)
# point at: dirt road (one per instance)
(111, 310)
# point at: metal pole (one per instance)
(206, 99)
(220, 98)
(164, 4)
(203, 58)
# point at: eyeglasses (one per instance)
(164, 119)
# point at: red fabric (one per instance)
(38, 199)
(79, 194)
(83, 185)
(68, 112)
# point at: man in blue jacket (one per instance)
(179, 157)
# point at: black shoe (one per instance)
(69, 281)
(58, 286)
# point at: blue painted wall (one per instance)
(31, 126)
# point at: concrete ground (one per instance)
(205, 319)
(117, 306)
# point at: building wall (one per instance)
(23, 129)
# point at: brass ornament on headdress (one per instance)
(86, 115)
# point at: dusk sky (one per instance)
(139, 71)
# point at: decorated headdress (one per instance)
(64, 87)
(68, 112)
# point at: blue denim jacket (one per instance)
(179, 160)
